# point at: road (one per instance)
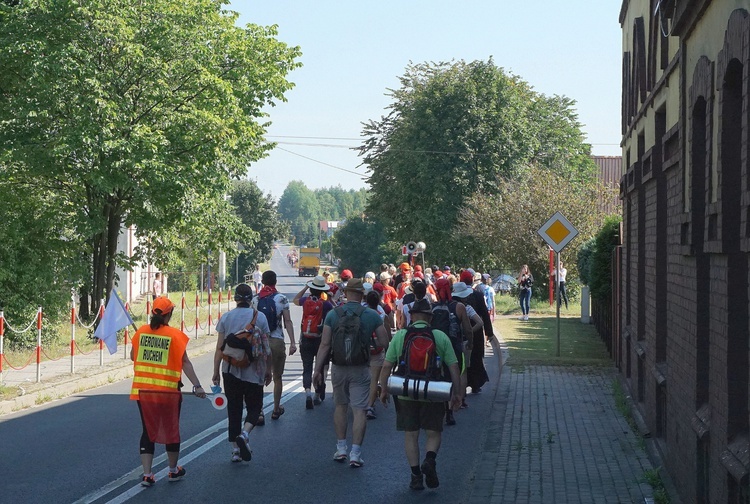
(85, 448)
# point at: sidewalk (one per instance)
(556, 436)
(91, 371)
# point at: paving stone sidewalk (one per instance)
(555, 436)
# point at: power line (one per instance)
(313, 137)
(320, 162)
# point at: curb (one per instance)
(88, 378)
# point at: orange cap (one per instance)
(162, 306)
(404, 266)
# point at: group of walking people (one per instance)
(364, 329)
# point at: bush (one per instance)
(600, 267)
(583, 261)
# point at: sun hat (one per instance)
(346, 274)
(318, 283)
(162, 306)
(355, 284)
(461, 290)
(370, 274)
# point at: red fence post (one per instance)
(2, 343)
(72, 336)
(39, 345)
(551, 267)
(182, 313)
(127, 335)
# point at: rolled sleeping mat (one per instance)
(420, 390)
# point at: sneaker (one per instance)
(355, 460)
(148, 481)
(317, 400)
(430, 473)
(177, 476)
(340, 455)
(417, 482)
(236, 456)
(323, 393)
(371, 413)
(244, 447)
(449, 419)
(309, 402)
(526, 317)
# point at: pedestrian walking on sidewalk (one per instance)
(275, 306)
(159, 355)
(347, 333)
(413, 415)
(244, 374)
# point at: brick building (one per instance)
(683, 294)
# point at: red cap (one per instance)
(419, 274)
(418, 267)
(346, 274)
(466, 277)
(378, 287)
(438, 274)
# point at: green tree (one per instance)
(258, 214)
(299, 207)
(362, 246)
(452, 130)
(131, 111)
(501, 230)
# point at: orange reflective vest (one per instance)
(157, 357)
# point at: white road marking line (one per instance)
(289, 391)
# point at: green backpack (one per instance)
(349, 346)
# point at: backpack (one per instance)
(267, 305)
(312, 317)
(349, 346)
(444, 319)
(419, 358)
(237, 348)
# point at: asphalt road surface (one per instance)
(85, 448)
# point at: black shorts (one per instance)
(415, 415)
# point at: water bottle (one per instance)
(437, 362)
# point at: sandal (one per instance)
(261, 420)
(276, 414)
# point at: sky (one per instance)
(353, 53)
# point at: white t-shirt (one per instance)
(563, 273)
(257, 277)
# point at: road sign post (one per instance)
(557, 232)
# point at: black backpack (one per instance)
(444, 319)
(349, 345)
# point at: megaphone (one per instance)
(421, 246)
(411, 247)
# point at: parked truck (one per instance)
(309, 261)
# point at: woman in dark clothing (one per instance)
(476, 375)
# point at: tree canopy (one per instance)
(451, 131)
(134, 112)
(303, 208)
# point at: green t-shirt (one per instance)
(442, 342)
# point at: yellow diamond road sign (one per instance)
(558, 232)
